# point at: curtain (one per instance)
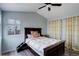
(72, 33)
(54, 29)
(75, 32)
(65, 29)
(69, 32)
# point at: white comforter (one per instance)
(40, 43)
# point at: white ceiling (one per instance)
(22, 7)
(67, 9)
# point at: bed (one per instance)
(43, 46)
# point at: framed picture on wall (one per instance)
(17, 29)
(13, 27)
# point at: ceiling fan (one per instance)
(49, 5)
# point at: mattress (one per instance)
(38, 44)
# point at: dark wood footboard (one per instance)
(54, 50)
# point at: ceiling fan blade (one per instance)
(56, 4)
(47, 3)
(42, 7)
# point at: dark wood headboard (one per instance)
(28, 31)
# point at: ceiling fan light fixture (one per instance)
(49, 9)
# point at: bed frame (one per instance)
(57, 49)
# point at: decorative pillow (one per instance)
(35, 34)
(29, 35)
(32, 32)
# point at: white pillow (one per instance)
(29, 35)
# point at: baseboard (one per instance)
(8, 51)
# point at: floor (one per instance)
(22, 53)
(28, 53)
(71, 52)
